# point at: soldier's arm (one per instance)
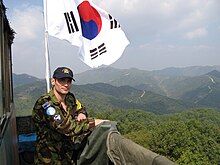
(81, 111)
(64, 125)
(80, 108)
(82, 114)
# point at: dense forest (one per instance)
(191, 137)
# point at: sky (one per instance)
(162, 33)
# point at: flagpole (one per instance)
(47, 58)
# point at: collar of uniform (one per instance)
(53, 97)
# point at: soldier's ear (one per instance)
(53, 81)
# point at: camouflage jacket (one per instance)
(57, 130)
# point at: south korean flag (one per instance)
(98, 35)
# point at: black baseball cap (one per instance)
(63, 72)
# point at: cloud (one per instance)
(154, 56)
(27, 21)
(28, 47)
(165, 17)
(200, 32)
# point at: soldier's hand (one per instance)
(81, 117)
(99, 121)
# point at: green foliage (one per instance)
(188, 141)
(191, 137)
(140, 137)
(26, 96)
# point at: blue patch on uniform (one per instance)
(50, 111)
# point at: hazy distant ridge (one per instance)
(165, 91)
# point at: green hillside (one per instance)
(195, 85)
(25, 97)
(23, 79)
(138, 90)
(127, 97)
(190, 137)
(133, 76)
(187, 71)
(102, 97)
(175, 83)
(116, 77)
(200, 90)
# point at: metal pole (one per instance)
(47, 58)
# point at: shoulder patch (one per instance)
(57, 118)
(46, 105)
(50, 111)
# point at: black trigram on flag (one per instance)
(94, 53)
(113, 23)
(71, 22)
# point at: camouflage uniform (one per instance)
(58, 131)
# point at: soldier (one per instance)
(61, 122)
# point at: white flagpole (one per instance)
(47, 58)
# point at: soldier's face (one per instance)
(63, 85)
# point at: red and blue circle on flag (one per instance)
(90, 19)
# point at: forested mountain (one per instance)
(187, 71)
(100, 95)
(132, 89)
(135, 76)
(191, 137)
(23, 79)
(191, 84)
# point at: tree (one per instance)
(185, 142)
